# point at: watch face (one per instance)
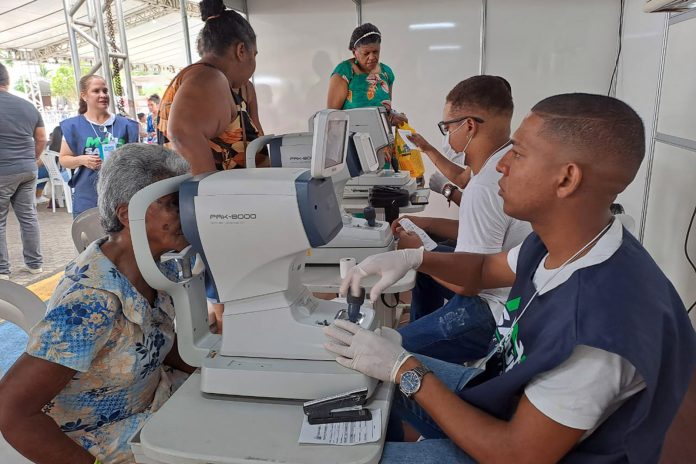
(410, 383)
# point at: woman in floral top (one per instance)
(362, 81)
(94, 368)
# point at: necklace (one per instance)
(485, 162)
(102, 128)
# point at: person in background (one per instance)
(363, 81)
(451, 164)
(198, 109)
(22, 140)
(153, 104)
(142, 120)
(596, 351)
(104, 357)
(447, 321)
(91, 137)
(198, 116)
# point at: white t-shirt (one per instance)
(591, 384)
(485, 228)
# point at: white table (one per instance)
(193, 427)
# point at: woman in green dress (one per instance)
(363, 81)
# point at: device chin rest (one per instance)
(390, 198)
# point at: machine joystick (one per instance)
(370, 215)
(354, 304)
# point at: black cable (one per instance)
(396, 295)
(686, 251)
(614, 74)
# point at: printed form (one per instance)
(343, 433)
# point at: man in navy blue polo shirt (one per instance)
(596, 350)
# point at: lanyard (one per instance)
(109, 136)
(500, 346)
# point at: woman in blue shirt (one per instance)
(91, 137)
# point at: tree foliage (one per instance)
(63, 83)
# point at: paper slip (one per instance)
(408, 225)
(343, 433)
(404, 136)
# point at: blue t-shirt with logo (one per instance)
(87, 138)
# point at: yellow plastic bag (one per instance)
(409, 160)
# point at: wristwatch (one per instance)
(411, 380)
(447, 191)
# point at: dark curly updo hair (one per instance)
(364, 34)
(223, 28)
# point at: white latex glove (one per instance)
(437, 181)
(365, 351)
(390, 266)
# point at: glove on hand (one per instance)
(365, 351)
(437, 182)
(390, 266)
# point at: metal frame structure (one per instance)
(93, 32)
(651, 147)
(657, 136)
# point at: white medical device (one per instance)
(357, 239)
(374, 121)
(252, 228)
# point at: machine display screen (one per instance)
(335, 142)
(371, 154)
(385, 122)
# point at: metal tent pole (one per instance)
(130, 95)
(185, 26)
(104, 52)
(69, 12)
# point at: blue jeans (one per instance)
(428, 295)
(457, 330)
(460, 331)
(436, 448)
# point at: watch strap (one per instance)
(420, 371)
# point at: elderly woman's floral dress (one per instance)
(98, 324)
(365, 90)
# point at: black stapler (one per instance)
(344, 407)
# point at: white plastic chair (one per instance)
(20, 306)
(24, 309)
(86, 228)
(48, 158)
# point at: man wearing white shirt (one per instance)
(448, 322)
(596, 351)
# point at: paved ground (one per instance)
(56, 244)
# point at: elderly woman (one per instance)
(100, 361)
(363, 81)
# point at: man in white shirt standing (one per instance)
(596, 350)
(476, 128)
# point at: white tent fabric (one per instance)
(153, 29)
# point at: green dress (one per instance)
(365, 90)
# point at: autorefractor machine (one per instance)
(358, 238)
(252, 228)
(374, 121)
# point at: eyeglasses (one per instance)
(444, 125)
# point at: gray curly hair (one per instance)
(128, 170)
